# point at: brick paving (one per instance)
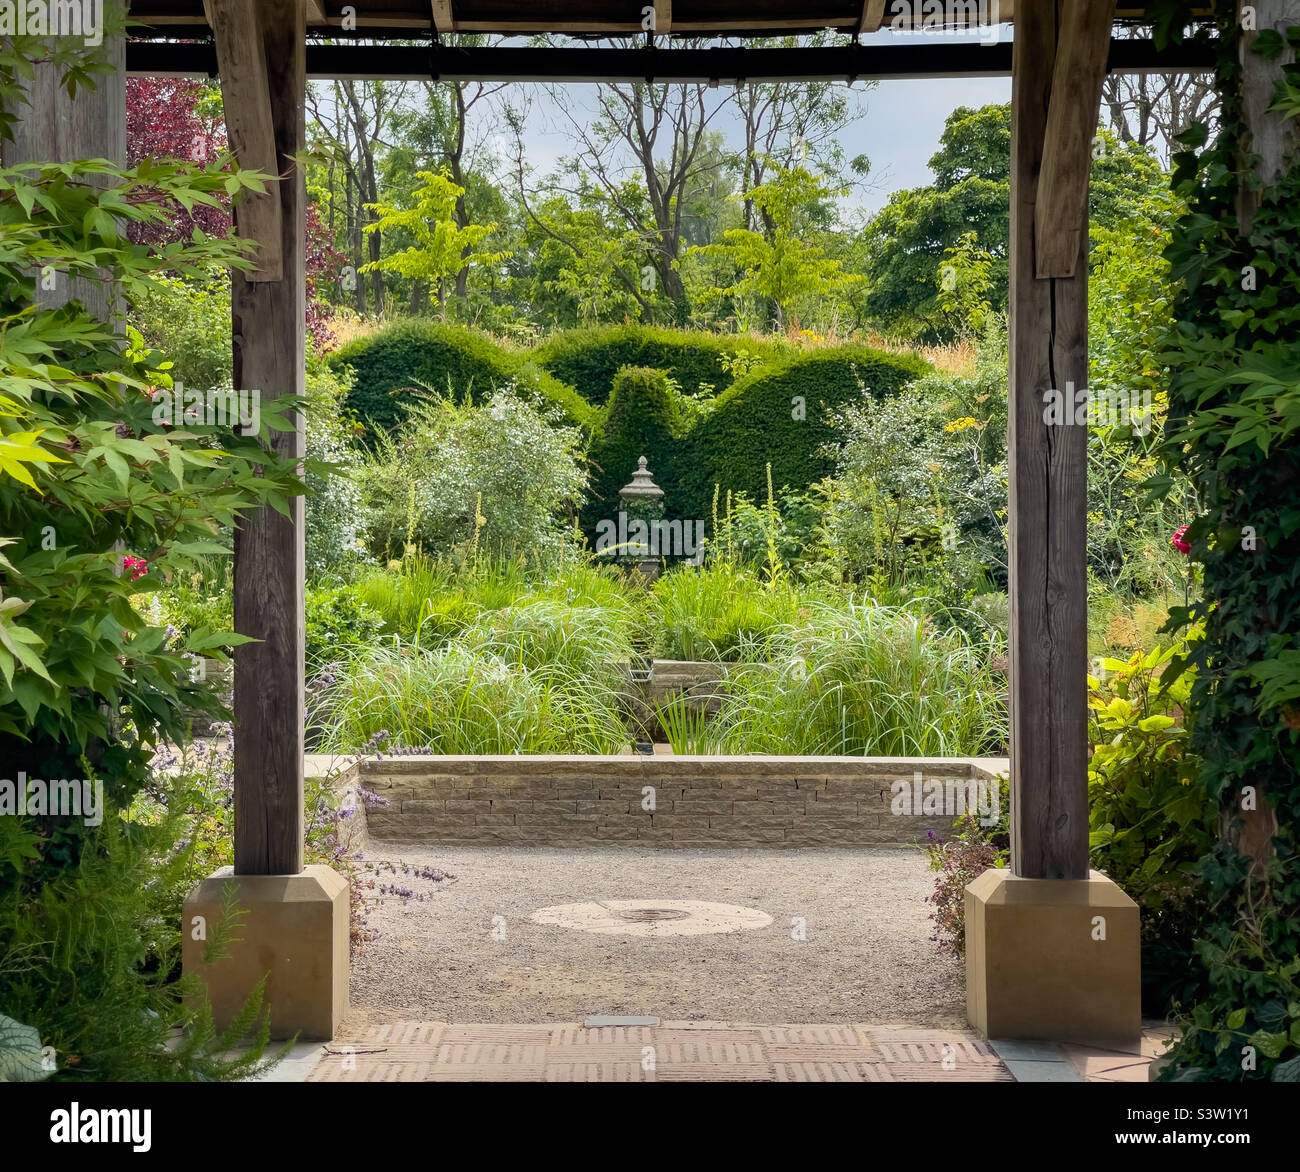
(670, 1052)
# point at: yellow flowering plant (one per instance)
(1150, 820)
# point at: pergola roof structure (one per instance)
(688, 18)
(264, 50)
(402, 40)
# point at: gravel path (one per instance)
(867, 956)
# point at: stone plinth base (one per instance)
(1052, 958)
(295, 932)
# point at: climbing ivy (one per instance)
(1234, 428)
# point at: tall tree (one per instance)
(780, 265)
(442, 246)
(658, 133)
(434, 133)
(909, 239)
(351, 121)
(793, 124)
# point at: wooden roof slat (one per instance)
(444, 20)
(615, 17)
(873, 15)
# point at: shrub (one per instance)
(1150, 824)
(501, 478)
(333, 505)
(91, 956)
(197, 600)
(646, 416)
(784, 532)
(391, 366)
(1232, 429)
(959, 861)
(781, 415)
(700, 364)
(88, 686)
(189, 321)
(337, 619)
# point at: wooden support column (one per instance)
(1273, 135)
(54, 128)
(1048, 488)
(269, 324)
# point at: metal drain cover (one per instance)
(653, 917)
(642, 915)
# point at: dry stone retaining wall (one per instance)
(698, 801)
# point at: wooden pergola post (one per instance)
(1058, 67)
(261, 50)
(55, 128)
(295, 934)
(1051, 947)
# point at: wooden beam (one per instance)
(346, 58)
(1080, 70)
(243, 69)
(1047, 471)
(873, 16)
(444, 20)
(269, 326)
(316, 13)
(663, 17)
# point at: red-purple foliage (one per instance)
(959, 861)
(163, 120)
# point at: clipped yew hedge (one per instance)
(778, 413)
(781, 414)
(645, 416)
(588, 359)
(390, 365)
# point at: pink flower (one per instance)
(138, 566)
(1179, 541)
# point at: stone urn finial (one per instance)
(642, 486)
(642, 505)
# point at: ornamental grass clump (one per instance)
(543, 677)
(719, 613)
(866, 680)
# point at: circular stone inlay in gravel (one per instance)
(653, 917)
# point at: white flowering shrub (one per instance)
(502, 479)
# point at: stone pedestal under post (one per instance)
(1053, 959)
(294, 932)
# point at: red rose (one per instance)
(1179, 540)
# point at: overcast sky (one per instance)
(899, 130)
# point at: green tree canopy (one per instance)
(968, 205)
(780, 265)
(442, 247)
